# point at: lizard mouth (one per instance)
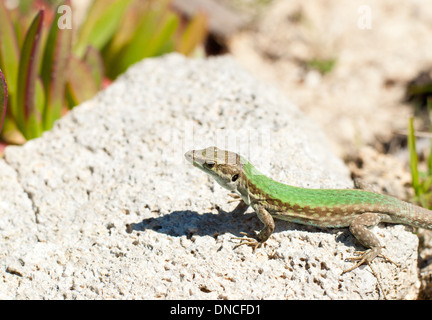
(190, 157)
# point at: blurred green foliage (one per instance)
(322, 65)
(50, 65)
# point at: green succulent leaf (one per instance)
(111, 53)
(101, 23)
(163, 41)
(94, 61)
(34, 127)
(80, 86)
(152, 37)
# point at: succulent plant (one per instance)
(48, 69)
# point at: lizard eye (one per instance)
(210, 164)
(234, 177)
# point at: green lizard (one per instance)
(334, 208)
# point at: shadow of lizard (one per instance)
(191, 223)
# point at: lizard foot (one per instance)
(367, 257)
(363, 257)
(249, 241)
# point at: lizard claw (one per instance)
(235, 197)
(366, 257)
(249, 241)
(363, 257)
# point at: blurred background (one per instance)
(360, 69)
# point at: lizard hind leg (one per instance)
(359, 227)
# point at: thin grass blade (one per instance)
(413, 158)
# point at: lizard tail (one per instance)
(415, 216)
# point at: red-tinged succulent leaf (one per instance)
(3, 99)
(81, 86)
(54, 70)
(27, 77)
(9, 50)
(163, 41)
(194, 33)
(94, 61)
(47, 6)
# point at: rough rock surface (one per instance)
(105, 206)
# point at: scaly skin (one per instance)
(335, 208)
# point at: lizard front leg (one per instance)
(265, 232)
(240, 208)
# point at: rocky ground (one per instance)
(105, 206)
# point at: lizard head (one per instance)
(224, 166)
